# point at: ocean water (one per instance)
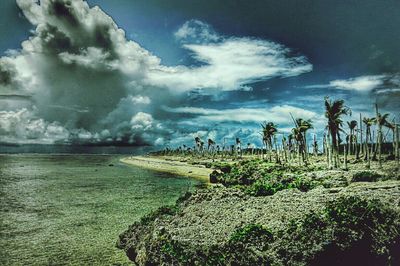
(70, 209)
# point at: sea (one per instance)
(68, 205)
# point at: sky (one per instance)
(154, 72)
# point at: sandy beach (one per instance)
(161, 164)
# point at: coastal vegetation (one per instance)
(362, 141)
(288, 202)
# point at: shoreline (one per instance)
(259, 206)
(161, 164)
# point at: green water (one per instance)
(70, 209)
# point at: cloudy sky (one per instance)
(155, 72)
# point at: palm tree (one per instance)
(197, 141)
(392, 126)
(285, 148)
(381, 120)
(352, 125)
(315, 145)
(302, 126)
(183, 149)
(334, 111)
(298, 137)
(268, 131)
(368, 123)
(238, 147)
(211, 144)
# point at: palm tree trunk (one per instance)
(361, 136)
(394, 139)
(357, 149)
(326, 151)
(299, 155)
(379, 137)
(397, 151)
(345, 158)
(305, 148)
(374, 143)
(335, 149)
(350, 143)
(285, 148)
(367, 153)
(262, 148)
(270, 150)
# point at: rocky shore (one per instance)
(300, 219)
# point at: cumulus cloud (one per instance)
(79, 79)
(22, 127)
(75, 69)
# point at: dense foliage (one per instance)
(366, 176)
(260, 178)
(349, 231)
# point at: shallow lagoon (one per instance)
(70, 209)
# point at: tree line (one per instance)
(340, 140)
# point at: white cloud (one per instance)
(142, 121)
(196, 31)
(360, 84)
(23, 127)
(231, 64)
(278, 114)
(91, 57)
(139, 99)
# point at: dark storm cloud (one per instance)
(83, 81)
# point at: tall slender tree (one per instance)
(303, 126)
(381, 121)
(197, 141)
(351, 137)
(334, 112)
(369, 122)
(210, 145)
(268, 131)
(392, 126)
(238, 147)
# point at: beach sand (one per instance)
(166, 164)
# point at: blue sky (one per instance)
(183, 68)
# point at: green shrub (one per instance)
(271, 185)
(208, 165)
(171, 250)
(215, 177)
(304, 184)
(366, 176)
(349, 231)
(250, 232)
